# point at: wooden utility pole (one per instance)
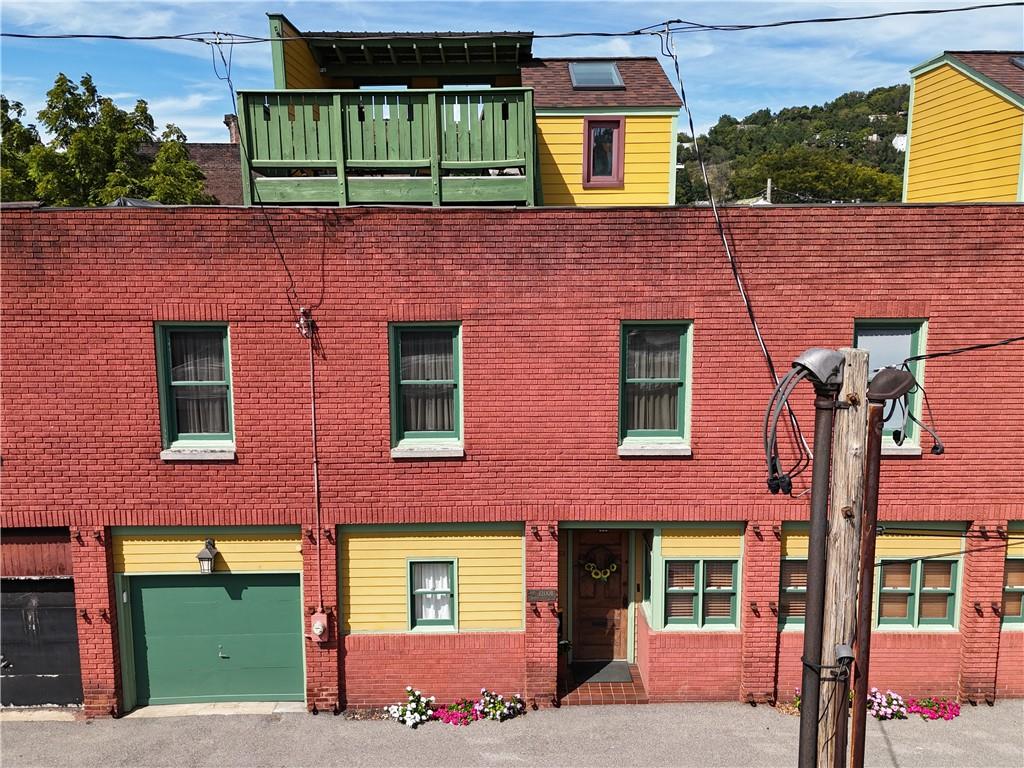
(849, 461)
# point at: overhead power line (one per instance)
(672, 25)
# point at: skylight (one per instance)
(594, 75)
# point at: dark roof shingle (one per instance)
(995, 65)
(645, 85)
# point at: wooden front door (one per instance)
(600, 604)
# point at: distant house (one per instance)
(899, 142)
(965, 132)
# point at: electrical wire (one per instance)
(670, 26)
(804, 451)
(962, 350)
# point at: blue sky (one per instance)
(735, 73)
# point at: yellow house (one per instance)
(606, 131)
(965, 133)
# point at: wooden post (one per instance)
(339, 149)
(849, 461)
(434, 124)
(245, 149)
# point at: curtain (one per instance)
(199, 356)
(427, 356)
(602, 150)
(652, 353)
(432, 577)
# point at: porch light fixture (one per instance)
(206, 557)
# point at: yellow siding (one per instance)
(300, 68)
(374, 577)
(649, 148)
(794, 541)
(176, 553)
(794, 544)
(919, 546)
(965, 141)
(702, 541)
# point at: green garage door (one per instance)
(219, 637)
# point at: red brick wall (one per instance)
(690, 666)
(1010, 668)
(541, 615)
(377, 668)
(541, 295)
(758, 609)
(320, 589)
(910, 663)
(979, 620)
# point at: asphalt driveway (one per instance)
(595, 737)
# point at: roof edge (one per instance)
(947, 57)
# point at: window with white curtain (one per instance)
(653, 380)
(425, 382)
(432, 587)
(195, 383)
(889, 343)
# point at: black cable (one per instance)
(680, 27)
(962, 350)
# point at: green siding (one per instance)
(220, 637)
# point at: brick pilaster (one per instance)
(95, 606)
(979, 619)
(541, 619)
(323, 670)
(758, 611)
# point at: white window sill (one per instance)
(654, 446)
(436, 629)
(907, 449)
(199, 452)
(428, 449)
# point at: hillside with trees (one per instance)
(842, 150)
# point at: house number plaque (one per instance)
(541, 595)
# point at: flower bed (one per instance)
(934, 709)
(418, 709)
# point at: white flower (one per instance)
(432, 698)
(409, 688)
(430, 713)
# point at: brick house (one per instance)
(537, 443)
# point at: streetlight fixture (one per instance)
(206, 557)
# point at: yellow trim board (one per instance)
(176, 553)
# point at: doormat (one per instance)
(601, 672)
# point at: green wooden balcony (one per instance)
(422, 147)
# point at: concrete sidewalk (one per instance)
(595, 737)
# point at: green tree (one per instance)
(94, 154)
(174, 179)
(16, 139)
(803, 174)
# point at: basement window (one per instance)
(594, 75)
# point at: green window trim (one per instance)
(786, 621)
(451, 592)
(170, 435)
(1017, 618)
(700, 591)
(681, 380)
(914, 593)
(398, 430)
(917, 328)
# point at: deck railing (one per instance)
(432, 147)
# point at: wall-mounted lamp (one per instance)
(777, 531)
(552, 531)
(206, 557)
(98, 535)
(1001, 531)
(978, 609)
(997, 609)
(774, 608)
(535, 531)
(983, 530)
(329, 535)
(757, 532)
(754, 609)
